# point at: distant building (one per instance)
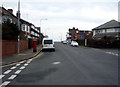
(27, 28)
(75, 34)
(109, 29)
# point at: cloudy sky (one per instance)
(64, 14)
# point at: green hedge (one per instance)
(81, 42)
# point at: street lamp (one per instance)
(41, 22)
(18, 23)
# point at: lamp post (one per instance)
(41, 22)
(18, 23)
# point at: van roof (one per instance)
(47, 39)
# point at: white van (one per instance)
(48, 44)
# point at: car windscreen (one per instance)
(47, 41)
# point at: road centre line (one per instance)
(12, 77)
(1, 76)
(8, 71)
(18, 71)
(5, 83)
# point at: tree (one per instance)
(9, 30)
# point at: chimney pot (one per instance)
(10, 10)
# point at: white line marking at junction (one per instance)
(8, 71)
(5, 83)
(12, 76)
(17, 64)
(29, 61)
(18, 71)
(22, 62)
(1, 76)
(25, 64)
(13, 67)
(22, 67)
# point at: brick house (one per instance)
(27, 28)
(75, 34)
(9, 47)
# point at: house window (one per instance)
(23, 27)
(110, 30)
(28, 28)
(117, 30)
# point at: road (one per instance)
(66, 66)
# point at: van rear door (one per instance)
(48, 43)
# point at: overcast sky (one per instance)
(65, 14)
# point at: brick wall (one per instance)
(10, 47)
(23, 45)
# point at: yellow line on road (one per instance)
(22, 61)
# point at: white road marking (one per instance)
(22, 67)
(5, 83)
(13, 67)
(1, 76)
(29, 61)
(17, 64)
(22, 62)
(8, 71)
(12, 76)
(25, 64)
(18, 71)
(112, 53)
(56, 63)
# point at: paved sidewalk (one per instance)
(21, 56)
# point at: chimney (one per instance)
(17, 14)
(10, 10)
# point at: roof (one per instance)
(110, 24)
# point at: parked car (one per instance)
(48, 44)
(65, 42)
(74, 43)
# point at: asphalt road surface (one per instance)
(66, 66)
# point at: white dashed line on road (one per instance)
(18, 71)
(22, 62)
(25, 64)
(12, 77)
(13, 67)
(8, 71)
(5, 83)
(22, 67)
(17, 64)
(29, 61)
(1, 76)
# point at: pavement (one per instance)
(26, 54)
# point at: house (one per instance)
(108, 29)
(75, 34)
(27, 28)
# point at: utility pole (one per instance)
(18, 24)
